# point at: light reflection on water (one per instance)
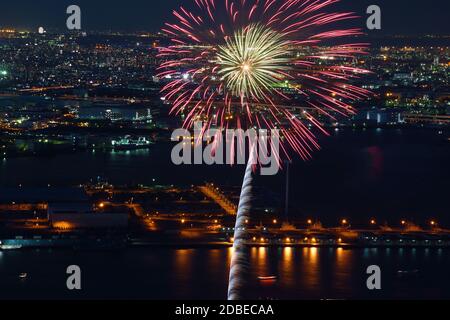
(287, 268)
(314, 272)
(183, 264)
(166, 273)
(340, 273)
(310, 267)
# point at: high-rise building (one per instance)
(112, 115)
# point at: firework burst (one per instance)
(253, 61)
(263, 64)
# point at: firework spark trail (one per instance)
(246, 72)
(263, 64)
(233, 63)
(239, 259)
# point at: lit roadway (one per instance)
(213, 193)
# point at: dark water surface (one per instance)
(389, 174)
(149, 273)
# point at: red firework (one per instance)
(265, 64)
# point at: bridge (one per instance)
(213, 193)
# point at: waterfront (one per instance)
(389, 174)
(168, 273)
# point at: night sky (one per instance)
(412, 17)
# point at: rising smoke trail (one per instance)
(239, 260)
(263, 64)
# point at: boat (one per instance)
(129, 143)
(406, 273)
(10, 247)
(268, 278)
